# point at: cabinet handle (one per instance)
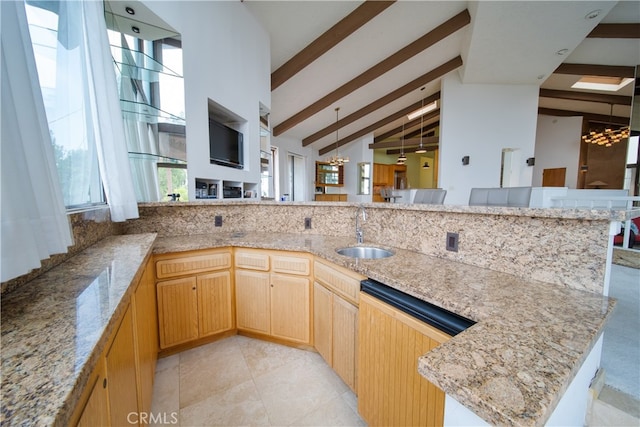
(194, 288)
(104, 383)
(272, 285)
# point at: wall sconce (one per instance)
(465, 160)
(531, 161)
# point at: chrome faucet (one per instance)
(359, 231)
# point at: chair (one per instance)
(430, 196)
(387, 195)
(510, 196)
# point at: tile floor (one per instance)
(244, 381)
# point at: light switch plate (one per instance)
(218, 220)
(307, 223)
(452, 242)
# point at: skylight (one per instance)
(611, 84)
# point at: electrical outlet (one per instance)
(307, 223)
(452, 242)
(218, 221)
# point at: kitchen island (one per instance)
(530, 339)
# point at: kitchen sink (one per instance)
(367, 252)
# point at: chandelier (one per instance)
(608, 136)
(337, 159)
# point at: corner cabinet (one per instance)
(273, 294)
(195, 295)
(335, 318)
(396, 395)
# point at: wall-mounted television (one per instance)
(225, 145)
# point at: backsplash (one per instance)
(88, 228)
(545, 245)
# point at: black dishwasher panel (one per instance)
(438, 317)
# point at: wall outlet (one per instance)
(218, 220)
(307, 223)
(452, 242)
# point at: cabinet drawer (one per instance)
(339, 280)
(191, 264)
(252, 260)
(281, 263)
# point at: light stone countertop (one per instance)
(530, 339)
(55, 327)
(512, 367)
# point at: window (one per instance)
(59, 59)
(364, 179)
(172, 179)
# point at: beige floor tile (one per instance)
(336, 412)
(263, 357)
(166, 395)
(293, 391)
(351, 399)
(237, 406)
(167, 362)
(211, 369)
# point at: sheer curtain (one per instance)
(106, 113)
(34, 220)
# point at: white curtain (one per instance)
(34, 221)
(106, 114)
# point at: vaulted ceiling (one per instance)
(373, 59)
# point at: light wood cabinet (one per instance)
(197, 304)
(121, 373)
(390, 390)
(331, 197)
(146, 336)
(96, 410)
(273, 294)
(335, 318)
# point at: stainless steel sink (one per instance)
(366, 252)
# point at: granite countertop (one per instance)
(55, 327)
(530, 339)
(511, 367)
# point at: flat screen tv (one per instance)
(225, 145)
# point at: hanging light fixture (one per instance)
(608, 136)
(421, 148)
(337, 159)
(426, 165)
(402, 158)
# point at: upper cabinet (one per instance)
(328, 175)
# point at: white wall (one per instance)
(288, 146)
(557, 146)
(226, 56)
(478, 121)
(358, 151)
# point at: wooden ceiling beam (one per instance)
(432, 37)
(388, 98)
(585, 96)
(615, 31)
(591, 117)
(407, 143)
(596, 70)
(427, 128)
(330, 38)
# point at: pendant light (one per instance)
(402, 158)
(421, 148)
(426, 165)
(337, 160)
(608, 136)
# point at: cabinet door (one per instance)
(215, 312)
(323, 322)
(290, 309)
(345, 329)
(145, 335)
(177, 311)
(121, 373)
(96, 410)
(398, 394)
(253, 301)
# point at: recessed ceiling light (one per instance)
(540, 76)
(135, 29)
(593, 14)
(562, 52)
(130, 10)
(611, 84)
